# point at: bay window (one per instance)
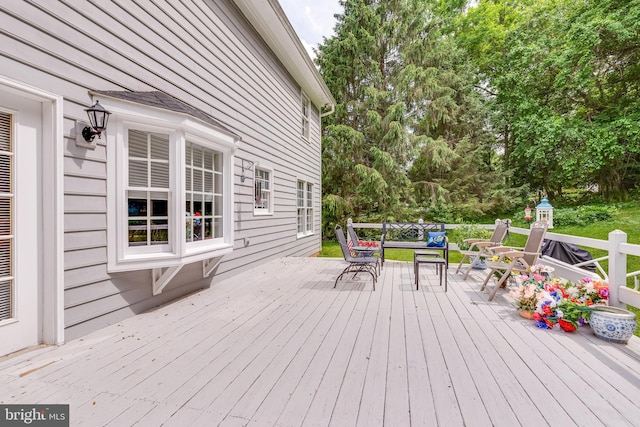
(170, 190)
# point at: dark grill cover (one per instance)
(567, 252)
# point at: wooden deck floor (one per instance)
(278, 345)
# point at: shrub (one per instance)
(582, 215)
(469, 231)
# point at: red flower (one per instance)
(566, 325)
(546, 310)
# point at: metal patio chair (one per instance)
(357, 264)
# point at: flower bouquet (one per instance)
(526, 295)
(588, 291)
(569, 305)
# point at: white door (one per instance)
(20, 221)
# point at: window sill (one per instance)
(262, 213)
(164, 260)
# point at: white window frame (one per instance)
(304, 208)
(181, 129)
(305, 114)
(258, 211)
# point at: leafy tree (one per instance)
(563, 79)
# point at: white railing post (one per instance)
(349, 221)
(617, 266)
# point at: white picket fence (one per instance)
(617, 247)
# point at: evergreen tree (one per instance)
(406, 99)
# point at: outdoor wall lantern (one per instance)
(98, 118)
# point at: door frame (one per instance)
(51, 286)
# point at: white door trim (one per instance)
(52, 316)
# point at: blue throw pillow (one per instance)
(436, 239)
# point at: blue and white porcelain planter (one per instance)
(613, 324)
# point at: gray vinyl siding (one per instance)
(204, 53)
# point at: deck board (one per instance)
(278, 345)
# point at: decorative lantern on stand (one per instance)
(544, 212)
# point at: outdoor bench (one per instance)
(411, 235)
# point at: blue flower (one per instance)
(542, 325)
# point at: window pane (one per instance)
(208, 182)
(188, 150)
(138, 173)
(189, 230)
(208, 228)
(137, 233)
(197, 180)
(208, 205)
(137, 207)
(159, 208)
(217, 183)
(188, 178)
(159, 146)
(159, 232)
(197, 205)
(5, 173)
(300, 220)
(197, 157)
(208, 160)
(160, 175)
(197, 228)
(5, 258)
(217, 162)
(217, 206)
(217, 227)
(5, 216)
(137, 144)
